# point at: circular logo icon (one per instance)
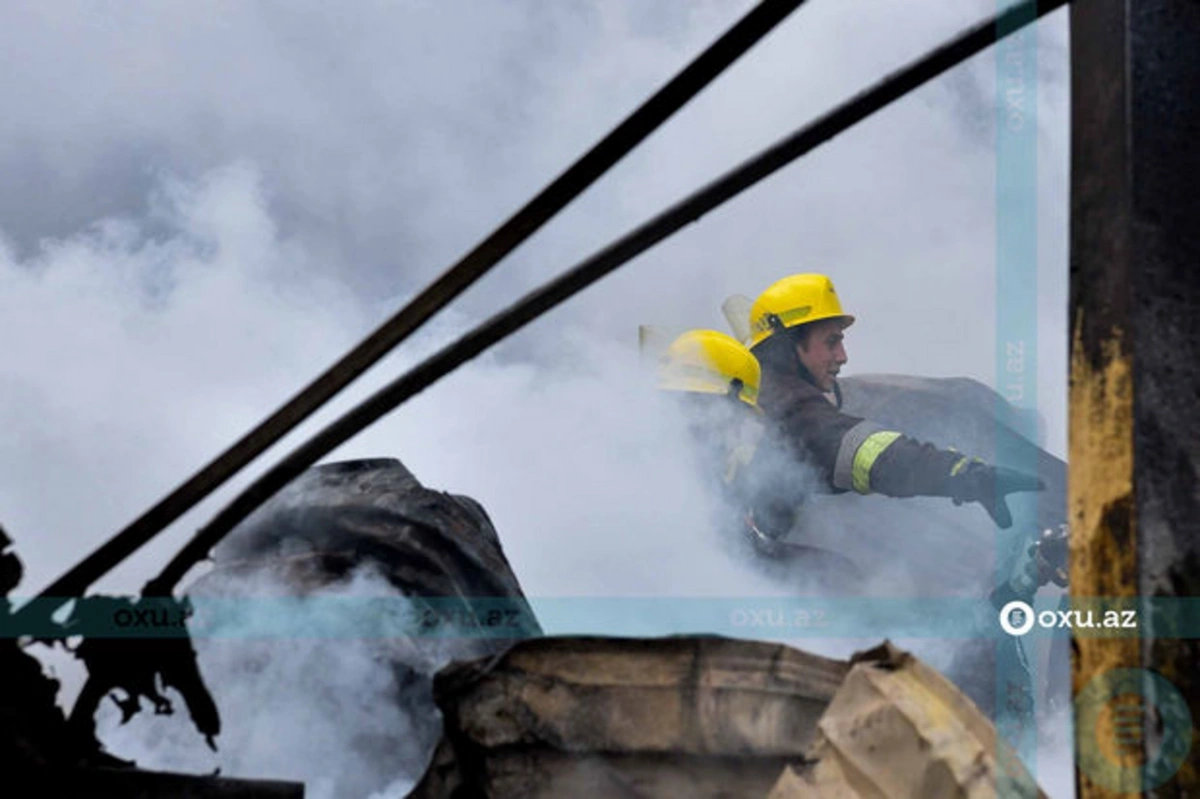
(1113, 710)
(1016, 618)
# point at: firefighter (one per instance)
(797, 330)
(717, 382)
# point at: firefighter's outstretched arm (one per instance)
(871, 459)
(975, 481)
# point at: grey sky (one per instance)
(204, 204)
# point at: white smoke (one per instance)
(594, 494)
(344, 714)
(202, 210)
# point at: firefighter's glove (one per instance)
(975, 481)
(1051, 555)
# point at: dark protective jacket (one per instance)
(754, 477)
(848, 452)
(762, 488)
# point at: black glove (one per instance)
(976, 481)
(1050, 554)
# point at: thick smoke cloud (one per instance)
(204, 205)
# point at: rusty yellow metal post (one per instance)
(1134, 482)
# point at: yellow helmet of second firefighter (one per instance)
(710, 362)
(794, 300)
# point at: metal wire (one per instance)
(601, 263)
(634, 129)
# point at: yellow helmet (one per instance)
(708, 362)
(794, 300)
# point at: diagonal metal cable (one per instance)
(759, 21)
(599, 264)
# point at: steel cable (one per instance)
(475, 264)
(601, 263)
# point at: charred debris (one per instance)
(538, 716)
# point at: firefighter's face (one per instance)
(823, 353)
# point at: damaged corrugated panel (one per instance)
(613, 717)
(710, 717)
(896, 729)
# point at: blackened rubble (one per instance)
(336, 558)
(33, 732)
(134, 664)
(43, 754)
(338, 517)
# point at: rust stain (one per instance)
(1103, 544)
(1100, 485)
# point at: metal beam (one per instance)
(1134, 482)
(602, 262)
(635, 128)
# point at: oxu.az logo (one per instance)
(1113, 711)
(1018, 618)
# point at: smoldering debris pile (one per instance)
(42, 754)
(325, 617)
(337, 516)
(710, 717)
(344, 704)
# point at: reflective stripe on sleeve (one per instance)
(962, 463)
(843, 469)
(864, 459)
